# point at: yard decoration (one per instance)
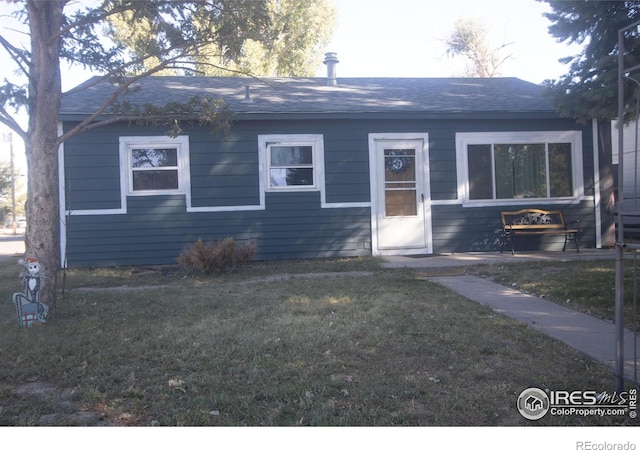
(28, 307)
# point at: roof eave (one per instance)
(363, 115)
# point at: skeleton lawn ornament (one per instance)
(28, 307)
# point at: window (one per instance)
(508, 171)
(515, 167)
(293, 162)
(291, 166)
(400, 184)
(154, 169)
(155, 165)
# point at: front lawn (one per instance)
(276, 344)
(587, 286)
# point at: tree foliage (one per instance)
(590, 87)
(291, 45)
(469, 40)
(81, 34)
(9, 179)
(177, 33)
(6, 178)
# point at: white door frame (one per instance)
(424, 190)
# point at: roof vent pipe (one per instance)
(247, 96)
(331, 59)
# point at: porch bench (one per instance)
(535, 222)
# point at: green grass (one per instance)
(278, 344)
(587, 286)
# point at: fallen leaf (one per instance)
(177, 384)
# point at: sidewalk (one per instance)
(594, 337)
(11, 247)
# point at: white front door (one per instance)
(401, 216)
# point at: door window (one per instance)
(400, 182)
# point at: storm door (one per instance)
(401, 197)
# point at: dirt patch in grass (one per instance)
(58, 406)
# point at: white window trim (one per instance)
(520, 137)
(316, 141)
(126, 179)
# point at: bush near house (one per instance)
(216, 257)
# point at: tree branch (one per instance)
(91, 121)
(91, 19)
(108, 102)
(19, 56)
(8, 120)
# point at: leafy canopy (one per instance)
(291, 46)
(469, 40)
(177, 33)
(590, 87)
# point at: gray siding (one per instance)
(458, 230)
(92, 170)
(225, 173)
(157, 228)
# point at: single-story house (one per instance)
(324, 167)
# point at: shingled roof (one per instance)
(314, 96)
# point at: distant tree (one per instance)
(590, 88)
(299, 34)
(469, 40)
(5, 180)
(292, 45)
(80, 34)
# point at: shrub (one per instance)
(216, 257)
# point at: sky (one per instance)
(405, 38)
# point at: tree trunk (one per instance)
(42, 238)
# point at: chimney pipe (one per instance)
(331, 59)
(247, 95)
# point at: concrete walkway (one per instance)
(11, 247)
(592, 336)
